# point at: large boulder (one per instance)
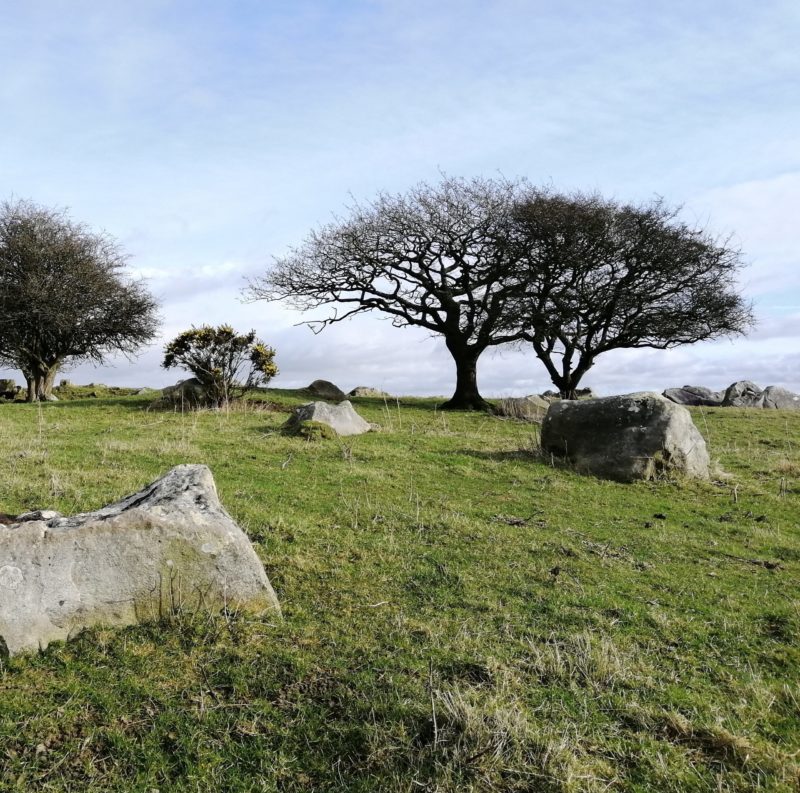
(342, 418)
(695, 396)
(170, 546)
(324, 389)
(634, 436)
(743, 394)
(189, 391)
(780, 398)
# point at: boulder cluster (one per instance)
(741, 394)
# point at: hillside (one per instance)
(459, 613)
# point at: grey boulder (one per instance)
(342, 418)
(743, 394)
(367, 391)
(779, 398)
(695, 396)
(189, 391)
(170, 545)
(634, 436)
(529, 408)
(324, 389)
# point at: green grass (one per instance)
(459, 615)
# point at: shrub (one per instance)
(225, 363)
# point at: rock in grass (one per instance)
(190, 392)
(368, 391)
(341, 418)
(172, 545)
(635, 436)
(694, 395)
(779, 398)
(530, 408)
(324, 389)
(743, 394)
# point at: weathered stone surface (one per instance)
(170, 545)
(189, 391)
(366, 391)
(37, 514)
(324, 389)
(634, 436)
(743, 394)
(695, 396)
(529, 408)
(779, 398)
(342, 418)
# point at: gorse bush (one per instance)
(225, 363)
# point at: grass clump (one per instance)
(313, 430)
(459, 613)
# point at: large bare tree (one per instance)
(598, 275)
(436, 257)
(64, 296)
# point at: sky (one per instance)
(210, 137)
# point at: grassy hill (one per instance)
(459, 614)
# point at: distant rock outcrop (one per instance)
(779, 398)
(324, 389)
(743, 394)
(694, 396)
(171, 545)
(342, 418)
(634, 436)
(366, 391)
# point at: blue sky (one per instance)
(208, 137)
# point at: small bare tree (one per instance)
(64, 296)
(598, 275)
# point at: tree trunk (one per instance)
(48, 381)
(40, 382)
(567, 383)
(466, 395)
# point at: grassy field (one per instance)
(459, 614)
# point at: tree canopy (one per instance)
(64, 296)
(437, 257)
(597, 275)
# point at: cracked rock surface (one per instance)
(171, 545)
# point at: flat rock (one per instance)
(694, 396)
(324, 389)
(634, 436)
(743, 394)
(342, 418)
(779, 398)
(170, 545)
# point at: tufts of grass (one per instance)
(460, 613)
